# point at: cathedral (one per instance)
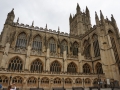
(36, 57)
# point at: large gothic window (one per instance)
(72, 68)
(64, 46)
(57, 81)
(37, 43)
(68, 81)
(52, 45)
(36, 66)
(78, 81)
(86, 68)
(96, 45)
(21, 40)
(4, 80)
(17, 80)
(99, 68)
(45, 80)
(32, 81)
(111, 34)
(15, 65)
(75, 48)
(55, 67)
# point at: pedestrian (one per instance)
(12, 87)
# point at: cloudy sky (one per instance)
(55, 13)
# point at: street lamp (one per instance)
(83, 82)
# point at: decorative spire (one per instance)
(58, 28)
(101, 15)
(96, 18)
(87, 11)
(18, 20)
(46, 26)
(78, 8)
(32, 23)
(112, 18)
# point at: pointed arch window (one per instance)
(64, 46)
(37, 43)
(32, 81)
(87, 47)
(86, 68)
(68, 81)
(44, 80)
(111, 34)
(87, 81)
(52, 45)
(96, 45)
(17, 80)
(71, 68)
(3, 80)
(78, 81)
(36, 66)
(21, 40)
(15, 65)
(99, 68)
(55, 67)
(57, 81)
(75, 48)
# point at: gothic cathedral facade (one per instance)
(40, 57)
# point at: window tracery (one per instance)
(44, 80)
(68, 81)
(87, 81)
(71, 68)
(17, 80)
(21, 40)
(4, 80)
(37, 43)
(78, 81)
(75, 48)
(15, 65)
(96, 45)
(57, 81)
(36, 66)
(64, 46)
(32, 81)
(52, 45)
(86, 68)
(55, 67)
(99, 68)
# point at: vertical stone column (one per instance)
(47, 60)
(65, 60)
(5, 55)
(27, 58)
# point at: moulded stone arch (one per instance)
(22, 31)
(32, 81)
(87, 81)
(57, 80)
(94, 37)
(72, 67)
(36, 66)
(78, 81)
(4, 80)
(37, 35)
(18, 80)
(45, 80)
(86, 68)
(52, 37)
(64, 40)
(98, 68)
(111, 33)
(68, 81)
(15, 64)
(55, 66)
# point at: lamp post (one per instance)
(83, 82)
(10, 79)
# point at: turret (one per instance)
(102, 17)
(96, 19)
(70, 18)
(10, 17)
(78, 9)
